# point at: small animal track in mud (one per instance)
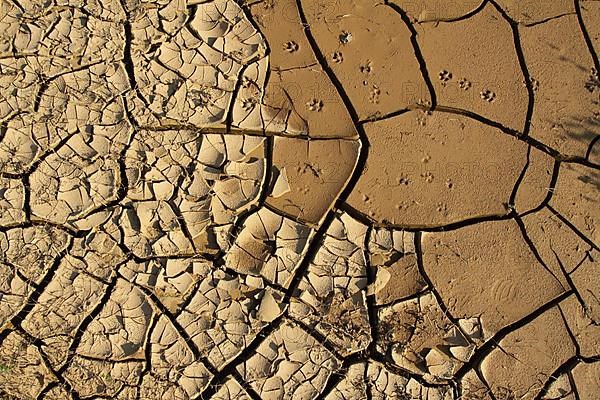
(488, 95)
(464, 84)
(315, 105)
(445, 76)
(290, 46)
(337, 57)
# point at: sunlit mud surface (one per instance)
(299, 199)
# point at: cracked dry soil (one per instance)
(299, 199)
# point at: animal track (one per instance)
(374, 94)
(488, 95)
(290, 46)
(367, 67)
(345, 37)
(445, 76)
(337, 57)
(464, 84)
(315, 105)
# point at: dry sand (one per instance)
(299, 199)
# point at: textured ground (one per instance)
(298, 199)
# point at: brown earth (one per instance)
(299, 199)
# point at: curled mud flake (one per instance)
(226, 312)
(345, 37)
(290, 46)
(23, 372)
(289, 362)
(488, 95)
(337, 57)
(314, 105)
(332, 295)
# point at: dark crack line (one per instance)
(588, 153)
(371, 300)
(494, 341)
(78, 335)
(527, 139)
(247, 387)
(431, 286)
(586, 35)
(564, 368)
(573, 228)
(234, 97)
(551, 188)
(127, 59)
(548, 19)
(513, 195)
(468, 15)
(535, 251)
(514, 26)
(510, 214)
(417, 52)
(569, 331)
(570, 282)
(230, 368)
(573, 385)
(37, 291)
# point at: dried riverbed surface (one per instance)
(299, 199)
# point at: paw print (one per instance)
(464, 84)
(535, 84)
(593, 82)
(337, 57)
(345, 37)
(248, 104)
(290, 46)
(367, 67)
(488, 95)
(314, 105)
(374, 95)
(445, 76)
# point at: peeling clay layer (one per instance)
(299, 199)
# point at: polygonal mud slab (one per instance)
(309, 176)
(427, 170)
(526, 358)
(490, 262)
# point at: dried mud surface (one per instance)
(299, 199)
